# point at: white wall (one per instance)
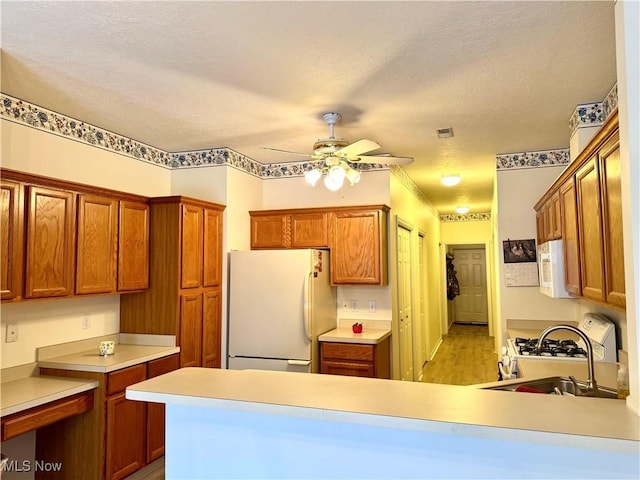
(627, 17)
(423, 218)
(373, 189)
(295, 192)
(48, 322)
(468, 233)
(517, 193)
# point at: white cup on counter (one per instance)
(107, 347)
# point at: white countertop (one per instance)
(370, 336)
(29, 392)
(409, 405)
(125, 356)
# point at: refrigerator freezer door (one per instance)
(241, 363)
(267, 302)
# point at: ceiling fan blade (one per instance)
(356, 148)
(384, 158)
(288, 152)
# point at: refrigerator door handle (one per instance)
(305, 306)
(302, 363)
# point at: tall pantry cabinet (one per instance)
(184, 295)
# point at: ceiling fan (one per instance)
(333, 154)
(333, 149)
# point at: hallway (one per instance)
(465, 357)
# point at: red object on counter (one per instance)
(524, 388)
(357, 328)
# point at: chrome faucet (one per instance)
(592, 387)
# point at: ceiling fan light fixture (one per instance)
(334, 179)
(353, 175)
(450, 180)
(312, 176)
(462, 209)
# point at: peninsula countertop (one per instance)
(408, 405)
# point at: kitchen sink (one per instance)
(555, 386)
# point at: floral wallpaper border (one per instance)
(544, 158)
(20, 111)
(594, 114)
(467, 217)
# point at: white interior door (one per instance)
(404, 304)
(471, 305)
(422, 304)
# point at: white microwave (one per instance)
(551, 269)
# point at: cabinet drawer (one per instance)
(121, 379)
(348, 351)
(163, 365)
(43, 415)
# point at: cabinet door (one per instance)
(11, 247)
(590, 228)
(540, 227)
(97, 243)
(309, 230)
(126, 429)
(156, 411)
(212, 248)
(50, 243)
(190, 337)
(211, 330)
(555, 217)
(570, 240)
(270, 231)
(355, 248)
(612, 222)
(191, 250)
(133, 246)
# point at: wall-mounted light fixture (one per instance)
(450, 180)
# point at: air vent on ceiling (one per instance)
(445, 132)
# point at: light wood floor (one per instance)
(465, 357)
(153, 471)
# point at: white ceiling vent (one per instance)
(445, 132)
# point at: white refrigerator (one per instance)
(280, 301)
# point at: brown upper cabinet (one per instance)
(185, 280)
(358, 240)
(609, 158)
(62, 239)
(570, 240)
(11, 249)
(590, 230)
(356, 236)
(590, 204)
(50, 242)
(289, 229)
(97, 244)
(133, 246)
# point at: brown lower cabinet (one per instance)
(117, 437)
(356, 359)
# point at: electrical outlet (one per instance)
(372, 305)
(86, 323)
(12, 332)
(354, 305)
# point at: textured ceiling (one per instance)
(244, 75)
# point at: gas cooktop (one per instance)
(549, 348)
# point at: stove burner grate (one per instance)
(550, 348)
